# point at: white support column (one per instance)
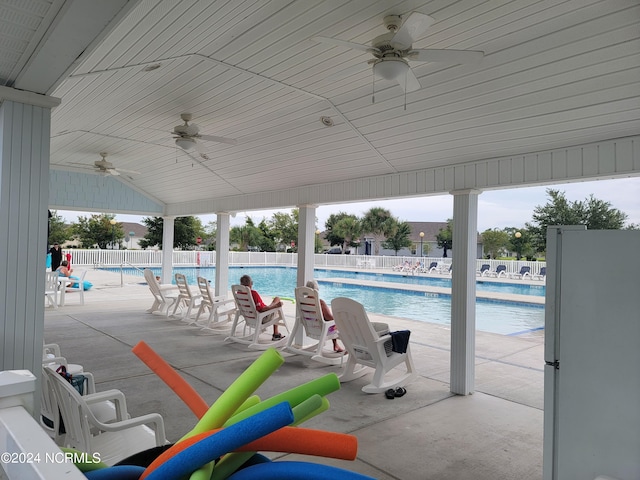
(24, 196)
(306, 242)
(167, 248)
(222, 254)
(463, 291)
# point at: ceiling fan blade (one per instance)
(113, 171)
(412, 28)
(451, 57)
(344, 43)
(212, 138)
(408, 81)
(132, 172)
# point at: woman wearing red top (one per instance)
(260, 305)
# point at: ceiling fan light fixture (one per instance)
(390, 68)
(186, 143)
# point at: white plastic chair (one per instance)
(77, 285)
(186, 298)
(113, 441)
(221, 309)
(254, 322)
(103, 405)
(310, 320)
(367, 348)
(164, 296)
(51, 288)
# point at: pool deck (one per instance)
(429, 433)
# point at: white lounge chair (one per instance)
(367, 348)
(524, 271)
(253, 322)
(164, 295)
(187, 300)
(500, 271)
(113, 441)
(483, 270)
(310, 321)
(221, 309)
(541, 275)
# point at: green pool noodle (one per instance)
(84, 466)
(324, 406)
(321, 386)
(203, 473)
(229, 464)
(309, 408)
(249, 402)
(238, 392)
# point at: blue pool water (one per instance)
(507, 318)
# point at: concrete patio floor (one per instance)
(429, 433)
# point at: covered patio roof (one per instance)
(554, 99)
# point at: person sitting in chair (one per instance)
(326, 314)
(261, 306)
(64, 269)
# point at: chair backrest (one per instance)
(484, 267)
(205, 290)
(183, 286)
(501, 268)
(433, 265)
(75, 413)
(245, 304)
(153, 284)
(543, 271)
(309, 311)
(524, 270)
(51, 281)
(356, 331)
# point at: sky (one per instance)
(496, 208)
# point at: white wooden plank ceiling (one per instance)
(555, 74)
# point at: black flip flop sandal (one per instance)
(399, 392)
(390, 394)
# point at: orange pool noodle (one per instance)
(169, 376)
(304, 441)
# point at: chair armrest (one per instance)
(154, 419)
(91, 383)
(114, 395)
(51, 346)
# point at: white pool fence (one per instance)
(153, 258)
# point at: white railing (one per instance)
(142, 258)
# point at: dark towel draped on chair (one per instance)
(400, 340)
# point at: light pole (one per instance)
(113, 233)
(315, 247)
(518, 245)
(421, 238)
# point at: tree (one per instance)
(333, 237)
(398, 236)
(185, 232)
(595, 214)
(445, 238)
(210, 233)
(246, 235)
(519, 241)
(350, 229)
(494, 242)
(267, 242)
(284, 227)
(58, 231)
(97, 231)
(379, 222)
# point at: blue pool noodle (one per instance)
(224, 441)
(117, 472)
(295, 471)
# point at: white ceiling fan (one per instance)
(188, 136)
(394, 50)
(103, 167)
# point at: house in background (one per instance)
(133, 233)
(428, 241)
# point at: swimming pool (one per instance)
(507, 318)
